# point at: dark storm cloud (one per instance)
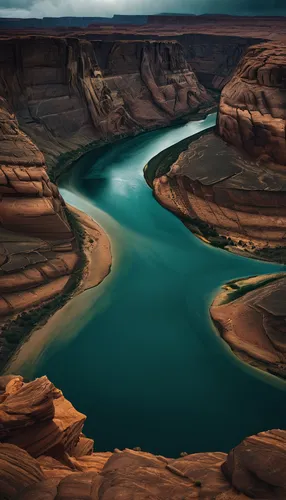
(109, 7)
(16, 4)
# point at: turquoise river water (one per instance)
(139, 354)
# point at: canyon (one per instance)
(65, 92)
(60, 97)
(53, 459)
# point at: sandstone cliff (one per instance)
(40, 255)
(252, 109)
(213, 57)
(228, 186)
(68, 93)
(43, 454)
(237, 191)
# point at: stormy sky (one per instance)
(40, 8)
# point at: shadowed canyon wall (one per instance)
(68, 93)
(228, 186)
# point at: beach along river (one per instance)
(139, 355)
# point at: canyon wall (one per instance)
(228, 186)
(39, 252)
(44, 249)
(68, 93)
(252, 110)
(237, 190)
(44, 454)
(213, 57)
(58, 96)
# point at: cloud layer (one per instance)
(40, 8)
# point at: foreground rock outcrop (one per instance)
(69, 93)
(43, 454)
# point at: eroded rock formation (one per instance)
(38, 248)
(43, 454)
(229, 187)
(39, 252)
(237, 191)
(68, 93)
(252, 109)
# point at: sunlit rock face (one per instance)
(43, 454)
(68, 93)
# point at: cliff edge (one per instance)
(44, 454)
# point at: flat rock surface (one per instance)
(253, 322)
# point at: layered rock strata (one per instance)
(219, 191)
(229, 187)
(68, 93)
(252, 109)
(38, 249)
(232, 181)
(39, 253)
(43, 454)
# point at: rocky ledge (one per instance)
(44, 454)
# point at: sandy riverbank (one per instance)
(97, 251)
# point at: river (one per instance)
(139, 354)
